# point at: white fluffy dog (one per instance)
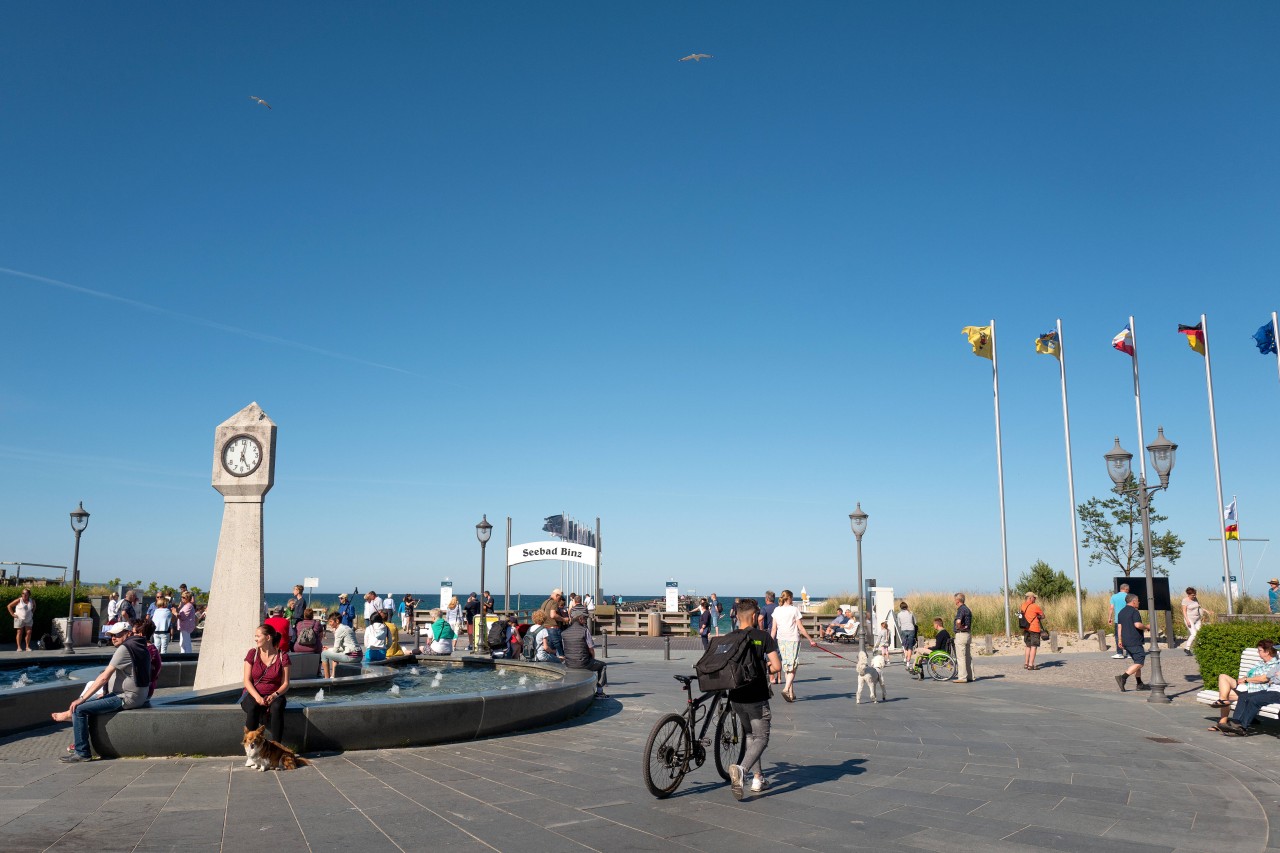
(870, 675)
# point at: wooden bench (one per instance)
(1248, 660)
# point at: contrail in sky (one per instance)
(200, 321)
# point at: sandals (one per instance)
(790, 697)
(1220, 703)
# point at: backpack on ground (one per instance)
(1022, 620)
(730, 662)
(307, 636)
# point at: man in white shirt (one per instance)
(372, 604)
(388, 606)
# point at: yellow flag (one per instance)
(980, 338)
(1048, 344)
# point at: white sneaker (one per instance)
(759, 784)
(735, 780)
(1117, 657)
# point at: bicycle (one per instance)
(938, 664)
(672, 750)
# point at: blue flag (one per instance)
(1266, 339)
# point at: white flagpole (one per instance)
(1071, 481)
(1275, 332)
(1137, 401)
(1004, 541)
(1217, 469)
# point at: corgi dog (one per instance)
(870, 675)
(263, 754)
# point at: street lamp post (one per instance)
(483, 531)
(858, 521)
(1162, 452)
(79, 521)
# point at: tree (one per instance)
(1113, 530)
(1045, 582)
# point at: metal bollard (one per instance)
(666, 642)
(606, 645)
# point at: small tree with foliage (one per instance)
(1113, 532)
(1045, 582)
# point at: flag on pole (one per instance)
(1266, 339)
(980, 338)
(1231, 528)
(1195, 336)
(553, 524)
(1047, 344)
(1124, 341)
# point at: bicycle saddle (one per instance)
(685, 679)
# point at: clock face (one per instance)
(242, 455)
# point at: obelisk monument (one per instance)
(244, 462)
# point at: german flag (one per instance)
(1195, 336)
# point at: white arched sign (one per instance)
(567, 551)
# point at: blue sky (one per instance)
(516, 259)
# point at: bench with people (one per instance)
(1254, 691)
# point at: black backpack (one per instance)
(530, 649)
(1022, 620)
(498, 635)
(730, 662)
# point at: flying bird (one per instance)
(259, 100)
(696, 57)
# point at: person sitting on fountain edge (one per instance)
(580, 649)
(128, 674)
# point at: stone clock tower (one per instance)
(244, 463)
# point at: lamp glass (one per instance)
(79, 519)
(1119, 464)
(484, 530)
(858, 521)
(1162, 452)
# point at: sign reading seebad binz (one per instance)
(569, 551)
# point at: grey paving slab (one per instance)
(1007, 764)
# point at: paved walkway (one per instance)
(1016, 761)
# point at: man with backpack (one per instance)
(749, 697)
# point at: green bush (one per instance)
(1045, 583)
(1218, 647)
(51, 603)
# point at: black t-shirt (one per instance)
(704, 621)
(1128, 619)
(964, 619)
(942, 642)
(758, 689)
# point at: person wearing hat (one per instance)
(1273, 595)
(280, 622)
(580, 649)
(346, 611)
(125, 681)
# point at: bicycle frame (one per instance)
(691, 714)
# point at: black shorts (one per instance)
(1138, 653)
(1031, 638)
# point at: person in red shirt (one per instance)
(280, 622)
(1031, 634)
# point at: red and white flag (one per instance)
(1124, 341)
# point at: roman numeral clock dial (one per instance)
(242, 455)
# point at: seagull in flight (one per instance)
(259, 100)
(696, 57)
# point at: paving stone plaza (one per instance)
(1011, 762)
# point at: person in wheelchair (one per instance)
(942, 643)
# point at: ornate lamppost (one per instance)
(858, 521)
(79, 521)
(483, 531)
(1162, 452)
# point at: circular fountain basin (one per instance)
(383, 707)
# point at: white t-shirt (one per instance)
(371, 607)
(786, 618)
(906, 621)
(389, 603)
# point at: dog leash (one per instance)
(833, 654)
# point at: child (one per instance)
(881, 642)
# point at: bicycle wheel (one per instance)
(731, 742)
(666, 755)
(942, 668)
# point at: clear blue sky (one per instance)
(515, 258)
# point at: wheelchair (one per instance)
(937, 664)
